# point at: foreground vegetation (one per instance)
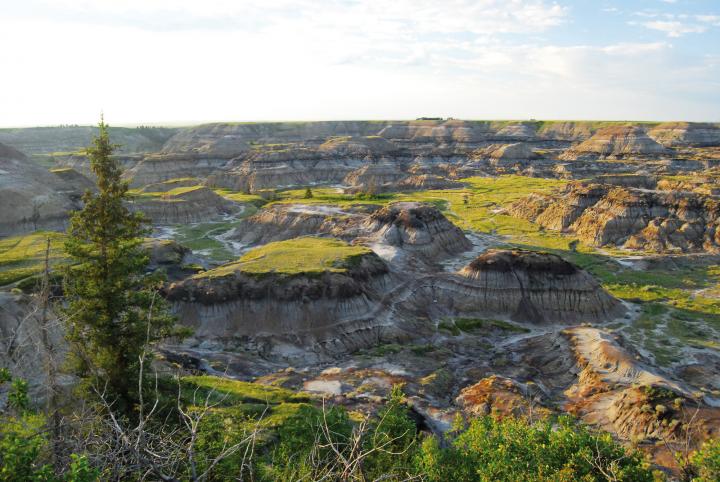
(245, 431)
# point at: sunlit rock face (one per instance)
(601, 215)
(616, 141)
(676, 134)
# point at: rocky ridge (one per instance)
(601, 215)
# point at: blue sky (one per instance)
(183, 61)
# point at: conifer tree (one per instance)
(113, 309)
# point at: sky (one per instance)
(189, 61)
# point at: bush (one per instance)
(513, 449)
(707, 461)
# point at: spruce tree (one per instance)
(113, 307)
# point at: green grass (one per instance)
(234, 391)
(24, 256)
(293, 256)
(244, 405)
(201, 238)
(241, 197)
(169, 194)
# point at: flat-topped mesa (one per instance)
(686, 134)
(186, 204)
(616, 142)
(601, 215)
(31, 197)
(417, 228)
(534, 287)
(317, 293)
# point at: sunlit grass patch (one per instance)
(24, 256)
(298, 255)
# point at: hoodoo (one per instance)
(525, 286)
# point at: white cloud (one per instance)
(162, 60)
(674, 28)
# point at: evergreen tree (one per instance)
(308, 193)
(113, 308)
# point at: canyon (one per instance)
(491, 267)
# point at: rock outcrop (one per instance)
(190, 205)
(375, 176)
(509, 152)
(525, 286)
(601, 215)
(285, 221)
(696, 134)
(616, 142)
(31, 197)
(25, 352)
(620, 392)
(327, 311)
(409, 229)
(417, 229)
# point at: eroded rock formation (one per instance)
(194, 205)
(615, 142)
(602, 215)
(329, 311)
(31, 197)
(523, 285)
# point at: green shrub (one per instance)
(707, 462)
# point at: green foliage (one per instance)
(308, 194)
(112, 306)
(513, 449)
(80, 470)
(707, 461)
(391, 439)
(21, 447)
(18, 397)
(308, 444)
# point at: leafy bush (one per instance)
(513, 449)
(707, 461)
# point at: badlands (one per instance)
(492, 267)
